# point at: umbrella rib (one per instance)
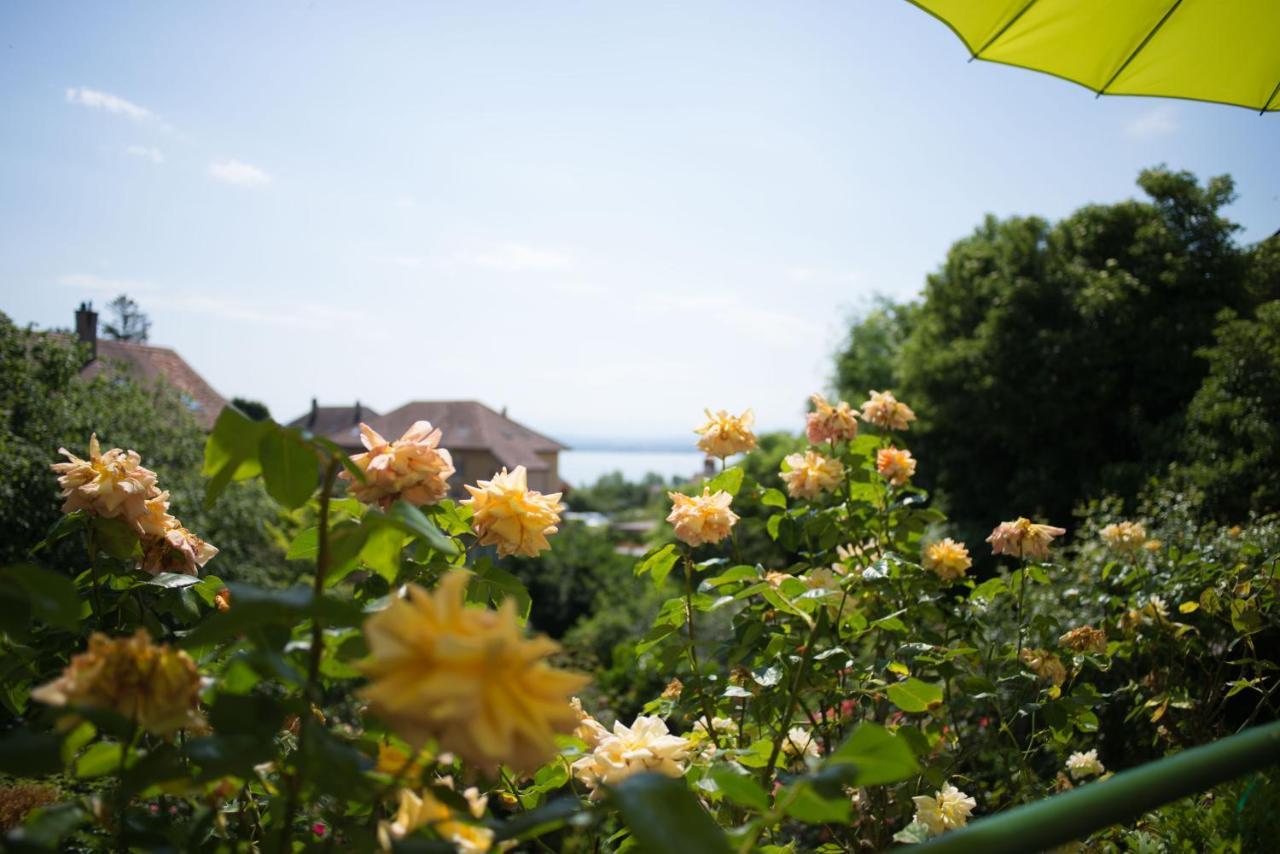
(1137, 50)
(1267, 104)
(977, 54)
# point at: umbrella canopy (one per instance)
(1226, 51)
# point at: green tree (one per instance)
(1049, 362)
(44, 406)
(130, 323)
(869, 358)
(1232, 450)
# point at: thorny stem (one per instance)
(766, 773)
(707, 710)
(1022, 595)
(317, 649)
(92, 547)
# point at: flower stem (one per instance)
(707, 710)
(792, 698)
(317, 651)
(1022, 595)
(92, 547)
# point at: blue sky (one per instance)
(603, 216)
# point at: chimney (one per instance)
(315, 413)
(359, 412)
(87, 328)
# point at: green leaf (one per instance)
(774, 498)
(740, 788)
(116, 538)
(879, 756)
(411, 520)
(50, 596)
(659, 563)
(231, 451)
(381, 551)
(729, 480)
(254, 608)
(172, 580)
(664, 818)
(305, 545)
(912, 695)
(492, 584)
(801, 801)
(100, 759)
(289, 466)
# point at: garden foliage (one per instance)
(862, 688)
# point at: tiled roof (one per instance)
(339, 424)
(470, 425)
(158, 364)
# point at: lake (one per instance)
(583, 468)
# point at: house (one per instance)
(338, 424)
(481, 440)
(147, 364)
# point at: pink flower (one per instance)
(704, 518)
(884, 411)
(1023, 538)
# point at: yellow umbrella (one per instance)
(1226, 51)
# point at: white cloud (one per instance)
(111, 103)
(239, 173)
(1157, 121)
(518, 258)
(151, 153)
(91, 282)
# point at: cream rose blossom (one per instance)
(810, 474)
(699, 519)
(886, 412)
(646, 745)
(725, 435)
(830, 423)
(948, 809)
(1086, 764)
(413, 467)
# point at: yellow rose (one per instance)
(1023, 538)
(725, 435)
(509, 515)
(153, 685)
(1124, 536)
(1045, 664)
(947, 559)
(112, 485)
(886, 412)
(810, 474)
(894, 465)
(827, 423)
(704, 518)
(468, 678)
(413, 467)
(646, 745)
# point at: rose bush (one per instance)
(861, 688)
